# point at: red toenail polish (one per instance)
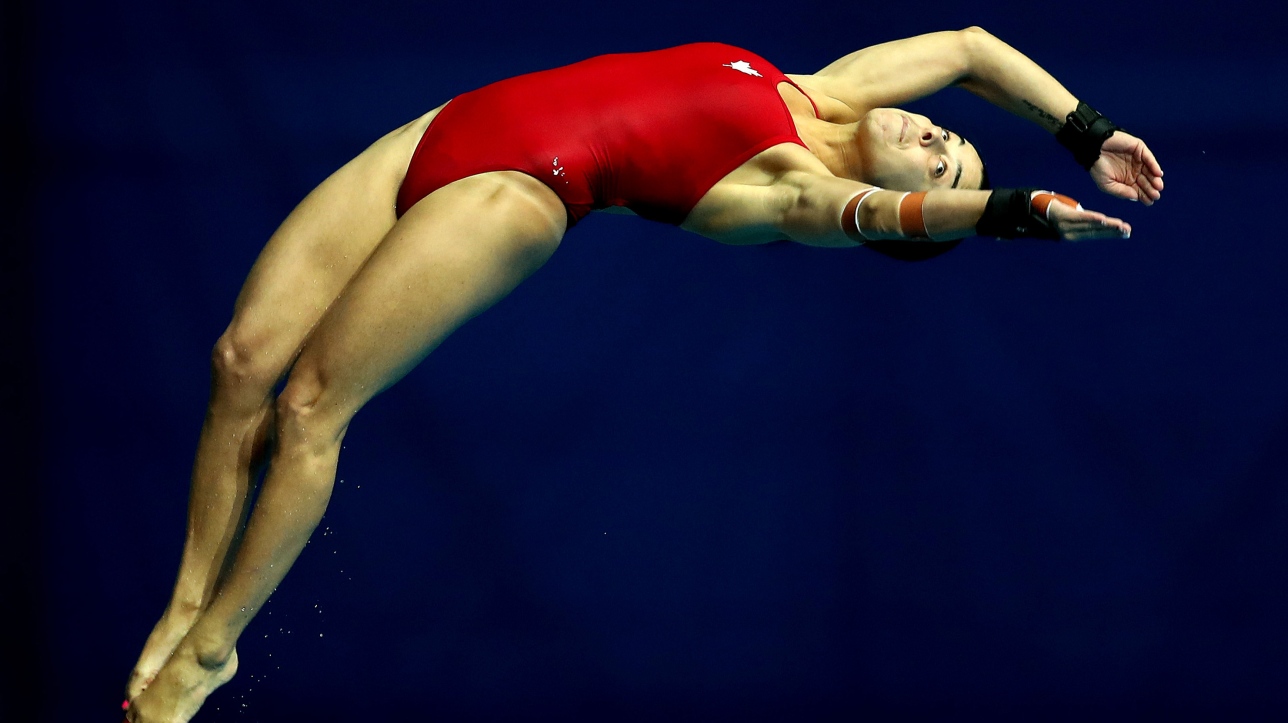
(125, 705)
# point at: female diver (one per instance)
(441, 218)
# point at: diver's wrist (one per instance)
(1084, 131)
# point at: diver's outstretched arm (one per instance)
(809, 205)
(823, 210)
(1002, 75)
(894, 73)
(900, 71)
(815, 208)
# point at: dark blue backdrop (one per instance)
(667, 478)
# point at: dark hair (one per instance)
(904, 251)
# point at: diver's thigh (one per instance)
(320, 246)
(452, 255)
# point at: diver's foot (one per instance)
(181, 687)
(165, 637)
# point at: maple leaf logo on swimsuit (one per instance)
(743, 66)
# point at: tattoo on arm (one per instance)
(1044, 118)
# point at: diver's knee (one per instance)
(241, 368)
(308, 418)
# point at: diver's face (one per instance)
(904, 151)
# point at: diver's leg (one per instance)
(451, 256)
(300, 272)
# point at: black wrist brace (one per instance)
(1009, 214)
(1083, 132)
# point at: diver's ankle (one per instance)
(211, 652)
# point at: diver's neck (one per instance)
(833, 144)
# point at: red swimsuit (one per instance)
(649, 131)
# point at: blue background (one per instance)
(667, 478)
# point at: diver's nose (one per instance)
(929, 135)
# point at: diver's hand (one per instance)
(1075, 223)
(1127, 169)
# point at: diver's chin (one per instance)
(885, 125)
(877, 118)
(873, 129)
